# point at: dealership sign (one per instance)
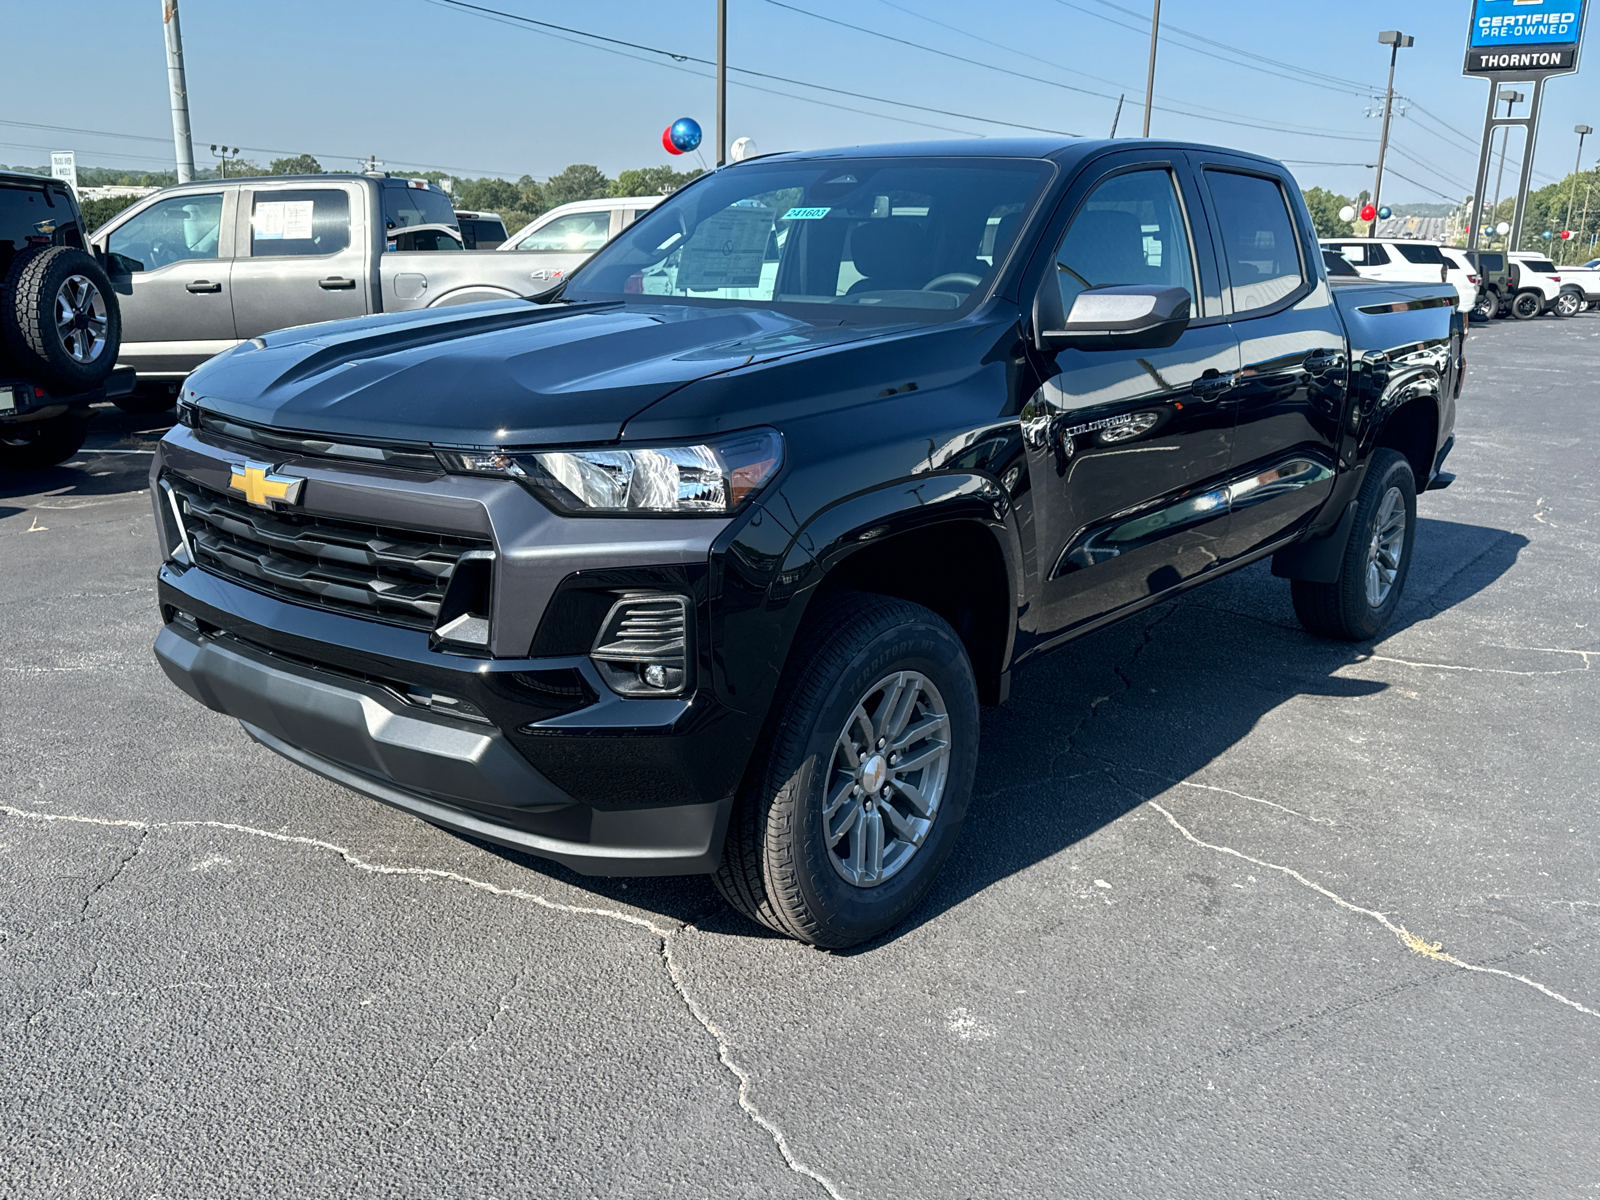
(1524, 35)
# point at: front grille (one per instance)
(393, 575)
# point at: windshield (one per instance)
(859, 235)
(405, 205)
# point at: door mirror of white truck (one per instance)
(1120, 318)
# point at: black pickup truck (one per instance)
(705, 561)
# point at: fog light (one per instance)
(655, 676)
(643, 645)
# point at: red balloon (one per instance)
(666, 140)
(1368, 212)
(1565, 234)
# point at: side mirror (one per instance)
(1122, 318)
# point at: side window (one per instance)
(169, 231)
(575, 231)
(1378, 256)
(312, 221)
(1258, 236)
(1130, 231)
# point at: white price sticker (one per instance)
(282, 220)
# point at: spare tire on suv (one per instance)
(60, 319)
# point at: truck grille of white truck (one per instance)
(399, 576)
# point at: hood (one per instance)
(504, 373)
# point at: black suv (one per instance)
(60, 328)
(706, 562)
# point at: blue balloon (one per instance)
(1545, 234)
(685, 134)
(1385, 212)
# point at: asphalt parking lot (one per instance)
(1236, 912)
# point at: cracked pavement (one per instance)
(1236, 912)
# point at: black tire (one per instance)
(1527, 305)
(148, 397)
(1343, 609)
(1487, 307)
(32, 445)
(1568, 304)
(775, 863)
(71, 356)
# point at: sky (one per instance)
(427, 84)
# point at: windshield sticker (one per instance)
(280, 219)
(806, 214)
(726, 250)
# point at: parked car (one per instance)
(1459, 262)
(1535, 285)
(1401, 260)
(715, 580)
(562, 239)
(481, 230)
(59, 325)
(1585, 279)
(202, 267)
(1494, 283)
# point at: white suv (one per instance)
(565, 237)
(1406, 261)
(1535, 284)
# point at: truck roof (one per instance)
(1058, 149)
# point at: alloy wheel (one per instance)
(886, 778)
(81, 318)
(1387, 547)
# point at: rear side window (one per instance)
(29, 217)
(1130, 231)
(1541, 266)
(1427, 256)
(1491, 262)
(1362, 254)
(311, 222)
(1259, 241)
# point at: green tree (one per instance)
(1325, 206)
(97, 212)
(300, 164)
(652, 181)
(580, 181)
(488, 194)
(530, 197)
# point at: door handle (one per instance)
(335, 284)
(1326, 360)
(203, 285)
(1212, 385)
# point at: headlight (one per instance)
(714, 477)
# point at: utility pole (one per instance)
(1511, 98)
(1582, 131)
(180, 92)
(1396, 41)
(1150, 75)
(722, 82)
(1117, 116)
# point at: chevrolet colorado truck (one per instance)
(706, 561)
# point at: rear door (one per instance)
(171, 266)
(1290, 395)
(303, 256)
(1128, 449)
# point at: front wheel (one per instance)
(1527, 305)
(1568, 304)
(854, 803)
(1359, 603)
(1487, 306)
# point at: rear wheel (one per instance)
(1357, 605)
(31, 445)
(1527, 305)
(1569, 304)
(1487, 306)
(852, 807)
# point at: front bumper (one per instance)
(462, 775)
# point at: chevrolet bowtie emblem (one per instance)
(262, 487)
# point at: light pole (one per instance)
(722, 82)
(1150, 75)
(1582, 131)
(1511, 98)
(1395, 40)
(222, 153)
(181, 141)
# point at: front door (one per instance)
(1128, 449)
(304, 259)
(1291, 390)
(170, 267)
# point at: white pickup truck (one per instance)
(202, 267)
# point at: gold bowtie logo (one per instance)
(262, 487)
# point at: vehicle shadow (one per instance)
(115, 460)
(1161, 695)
